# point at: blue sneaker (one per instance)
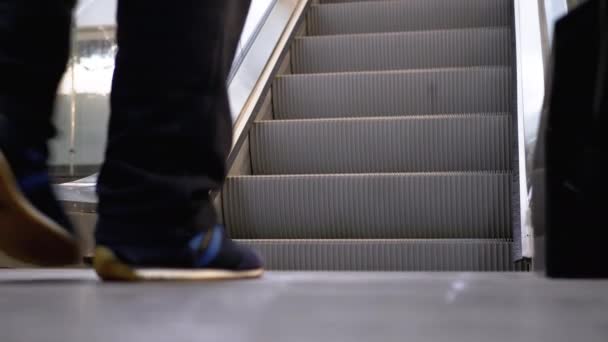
(33, 226)
(208, 256)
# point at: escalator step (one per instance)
(463, 142)
(386, 255)
(411, 50)
(346, 1)
(411, 15)
(369, 206)
(393, 93)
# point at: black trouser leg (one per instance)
(34, 49)
(170, 126)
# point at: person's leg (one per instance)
(170, 130)
(34, 49)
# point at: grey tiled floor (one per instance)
(66, 306)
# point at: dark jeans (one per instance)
(170, 126)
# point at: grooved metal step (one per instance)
(393, 93)
(391, 148)
(345, 1)
(411, 15)
(387, 255)
(374, 206)
(396, 144)
(411, 50)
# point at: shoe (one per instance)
(208, 256)
(33, 227)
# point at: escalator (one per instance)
(387, 142)
(375, 136)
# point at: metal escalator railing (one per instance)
(534, 21)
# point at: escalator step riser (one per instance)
(374, 206)
(406, 144)
(347, 1)
(397, 255)
(411, 15)
(415, 50)
(393, 93)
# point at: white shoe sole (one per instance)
(110, 268)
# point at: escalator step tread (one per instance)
(387, 255)
(356, 206)
(461, 142)
(393, 93)
(411, 15)
(394, 51)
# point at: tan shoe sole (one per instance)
(26, 234)
(110, 268)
